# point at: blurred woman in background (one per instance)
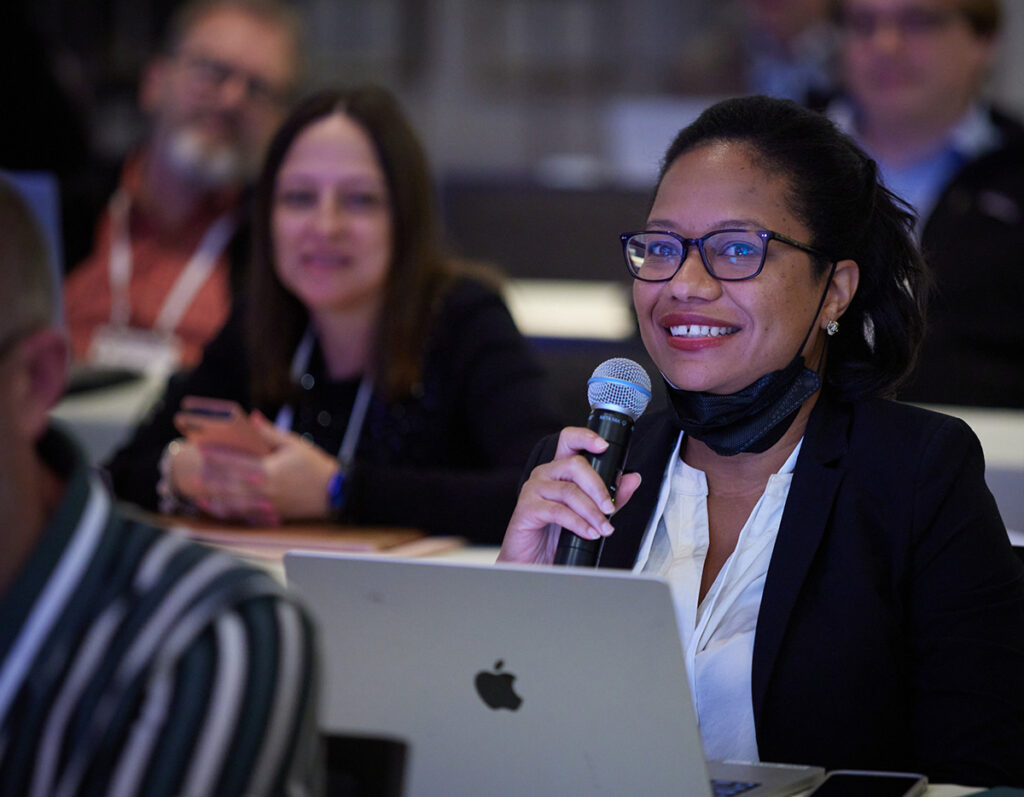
(389, 384)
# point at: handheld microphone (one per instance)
(618, 391)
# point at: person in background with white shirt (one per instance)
(846, 590)
(914, 74)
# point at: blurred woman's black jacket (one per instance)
(446, 461)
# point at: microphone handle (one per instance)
(615, 427)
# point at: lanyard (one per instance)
(198, 269)
(285, 416)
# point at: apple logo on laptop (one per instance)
(495, 688)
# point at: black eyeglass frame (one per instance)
(215, 72)
(764, 235)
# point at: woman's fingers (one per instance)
(574, 439)
(577, 469)
(628, 484)
(577, 499)
(269, 433)
(566, 493)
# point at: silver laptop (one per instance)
(508, 680)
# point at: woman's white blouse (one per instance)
(717, 634)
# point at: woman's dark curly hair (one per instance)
(834, 189)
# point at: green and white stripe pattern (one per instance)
(137, 662)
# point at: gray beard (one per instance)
(210, 166)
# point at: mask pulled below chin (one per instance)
(752, 419)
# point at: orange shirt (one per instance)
(158, 258)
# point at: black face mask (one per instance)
(754, 418)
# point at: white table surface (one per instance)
(102, 419)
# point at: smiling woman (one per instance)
(846, 591)
(332, 228)
(400, 390)
(768, 320)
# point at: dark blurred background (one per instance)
(515, 99)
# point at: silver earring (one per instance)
(832, 327)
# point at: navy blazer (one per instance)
(891, 628)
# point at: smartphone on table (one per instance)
(219, 422)
(865, 783)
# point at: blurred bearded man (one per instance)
(170, 244)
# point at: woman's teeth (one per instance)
(701, 331)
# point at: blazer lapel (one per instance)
(816, 479)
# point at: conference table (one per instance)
(265, 547)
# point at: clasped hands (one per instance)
(288, 483)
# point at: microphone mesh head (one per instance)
(620, 385)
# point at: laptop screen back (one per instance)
(507, 680)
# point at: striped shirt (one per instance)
(133, 661)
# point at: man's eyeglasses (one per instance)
(912, 21)
(212, 73)
(728, 255)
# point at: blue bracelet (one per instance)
(337, 492)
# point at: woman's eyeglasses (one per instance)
(729, 255)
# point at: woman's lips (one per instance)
(324, 259)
